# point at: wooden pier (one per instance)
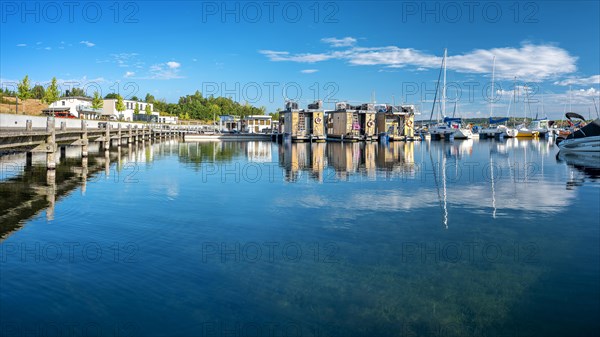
(107, 134)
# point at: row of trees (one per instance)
(197, 106)
(194, 106)
(48, 95)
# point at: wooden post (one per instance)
(50, 144)
(107, 136)
(119, 135)
(84, 139)
(50, 194)
(28, 125)
(130, 138)
(84, 173)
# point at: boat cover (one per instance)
(590, 130)
(496, 121)
(570, 115)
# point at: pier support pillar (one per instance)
(119, 135)
(63, 152)
(50, 194)
(28, 159)
(84, 140)
(50, 144)
(130, 138)
(107, 137)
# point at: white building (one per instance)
(229, 123)
(167, 119)
(110, 109)
(256, 123)
(75, 106)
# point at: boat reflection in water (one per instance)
(583, 166)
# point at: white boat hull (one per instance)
(463, 134)
(585, 144)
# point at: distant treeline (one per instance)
(480, 121)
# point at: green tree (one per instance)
(148, 109)
(38, 92)
(149, 98)
(111, 95)
(134, 98)
(77, 92)
(24, 92)
(120, 105)
(136, 110)
(52, 93)
(97, 102)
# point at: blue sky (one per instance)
(263, 52)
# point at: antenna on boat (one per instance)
(437, 89)
(570, 108)
(595, 107)
(444, 86)
(493, 94)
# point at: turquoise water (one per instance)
(464, 238)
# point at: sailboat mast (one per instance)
(493, 93)
(444, 84)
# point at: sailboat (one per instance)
(521, 130)
(456, 124)
(441, 129)
(495, 129)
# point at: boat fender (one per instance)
(370, 124)
(409, 123)
(318, 120)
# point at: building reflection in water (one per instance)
(296, 158)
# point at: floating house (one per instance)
(256, 123)
(304, 125)
(397, 122)
(351, 123)
(229, 123)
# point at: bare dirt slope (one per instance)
(30, 107)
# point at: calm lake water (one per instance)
(464, 238)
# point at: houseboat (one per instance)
(304, 125)
(351, 123)
(397, 122)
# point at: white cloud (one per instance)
(21, 45)
(87, 43)
(173, 65)
(48, 48)
(529, 62)
(123, 60)
(164, 71)
(38, 43)
(343, 42)
(129, 74)
(580, 81)
(309, 71)
(300, 58)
